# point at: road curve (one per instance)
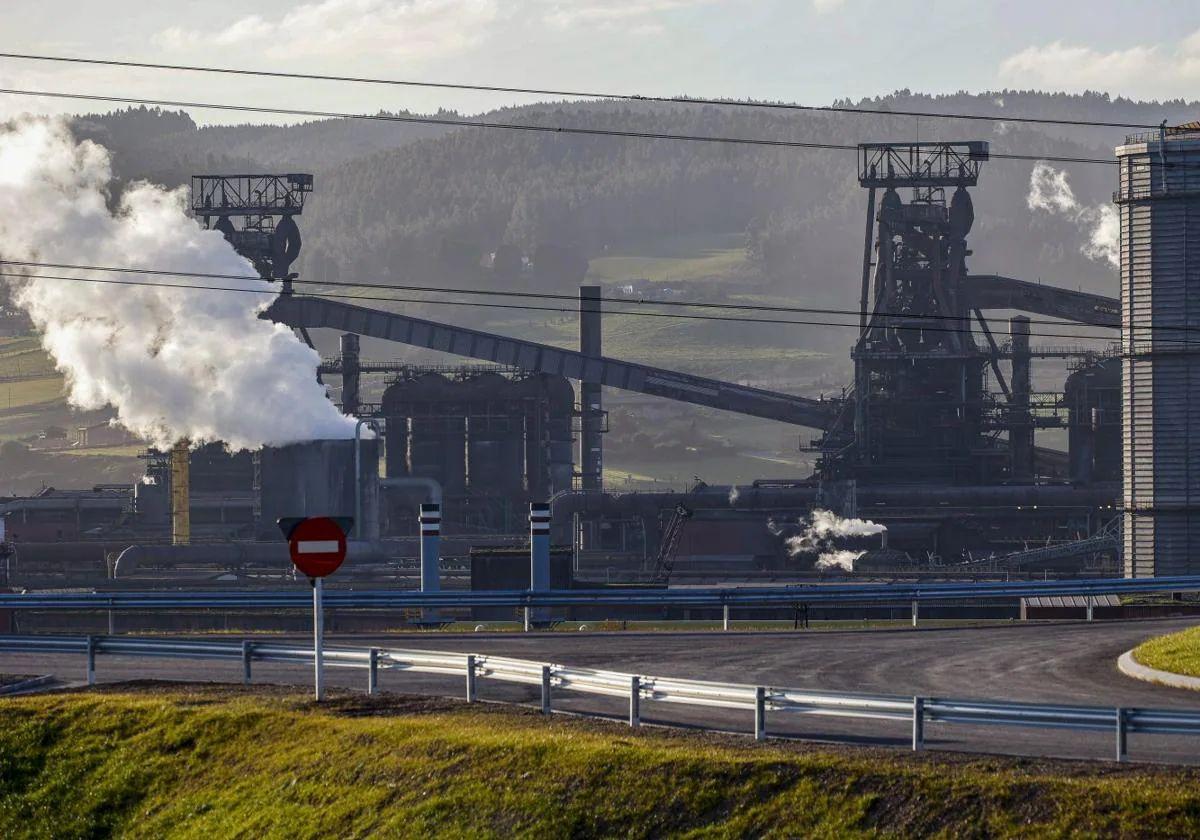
(1071, 662)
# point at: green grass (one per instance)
(1178, 653)
(23, 356)
(31, 392)
(203, 763)
(131, 450)
(679, 259)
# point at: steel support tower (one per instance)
(256, 213)
(916, 410)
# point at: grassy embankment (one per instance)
(212, 763)
(1178, 653)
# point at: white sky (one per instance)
(810, 51)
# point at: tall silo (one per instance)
(1159, 200)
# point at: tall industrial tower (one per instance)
(1159, 197)
(918, 394)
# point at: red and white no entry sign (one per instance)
(318, 546)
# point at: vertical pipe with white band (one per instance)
(431, 535)
(318, 638)
(539, 554)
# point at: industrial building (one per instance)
(935, 437)
(1159, 198)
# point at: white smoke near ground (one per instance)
(174, 363)
(734, 494)
(820, 534)
(1050, 191)
(840, 560)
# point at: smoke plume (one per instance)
(174, 363)
(1050, 192)
(820, 535)
(840, 560)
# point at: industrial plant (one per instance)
(932, 443)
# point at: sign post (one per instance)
(318, 547)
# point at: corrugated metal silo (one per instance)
(1159, 198)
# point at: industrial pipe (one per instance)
(433, 489)
(430, 522)
(363, 421)
(539, 556)
(228, 555)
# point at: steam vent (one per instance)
(1159, 197)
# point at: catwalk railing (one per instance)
(299, 597)
(760, 701)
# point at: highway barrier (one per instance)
(300, 597)
(760, 701)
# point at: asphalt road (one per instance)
(1040, 663)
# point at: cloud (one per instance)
(1161, 69)
(346, 28)
(822, 7)
(608, 13)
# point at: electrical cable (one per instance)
(681, 100)
(803, 310)
(560, 310)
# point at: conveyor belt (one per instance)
(991, 291)
(305, 312)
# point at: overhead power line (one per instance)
(507, 126)
(741, 307)
(529, 307)
(578, 94)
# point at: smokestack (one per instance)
(591, 456)
(351, 371)
(181, 497)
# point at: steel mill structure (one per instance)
(934, 438)
(1159, 198)
(921, 442)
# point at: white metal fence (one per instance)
(761, 701)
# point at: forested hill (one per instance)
(414, 202)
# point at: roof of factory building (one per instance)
(105, 495)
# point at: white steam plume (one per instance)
(824, 527)
(825, 524)
(1050, 192)
(181, 363)
(841, 560)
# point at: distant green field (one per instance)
(24, 356)
(129, 451)
(681, 258)
(31, 392)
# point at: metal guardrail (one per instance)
(638, 688)
(301, 598)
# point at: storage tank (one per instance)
(1159, 200)
(317, 479)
